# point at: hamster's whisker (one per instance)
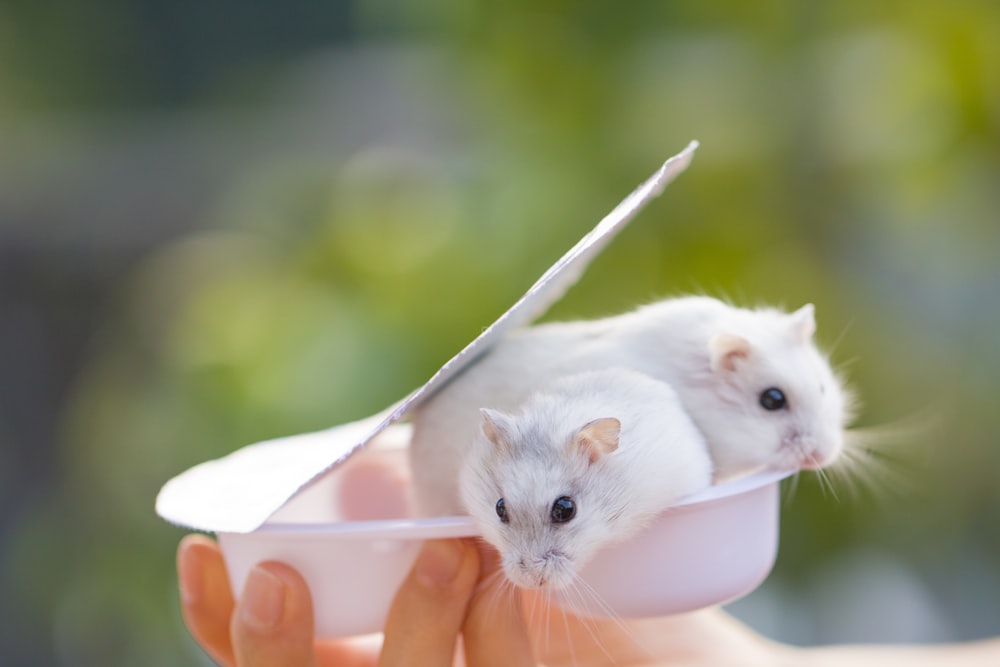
(513, 593)
(849, 472)
(496, 596)
(586, 622)
(538, 609)
(584, 593)
(488, 581)
(614, 617)
(874, 457)
(504, 592)
(844, 364)
(569, 636)
(507, 593)
(824, 481)
(501, 587)
(792, 487)
(840, 337)
(537, 601)
(865, 464)
(822, 477)
(547, 611)
(904, 441)
(553, 606)
(595, 597)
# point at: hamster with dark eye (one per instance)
(752, 380)
(586, 462)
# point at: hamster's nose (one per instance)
(811, 460)
(815, 459)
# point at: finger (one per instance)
(494, 633)
(206, 600)
(273, 623)
(427, 612)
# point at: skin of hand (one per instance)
(272, 623)
(455, 589)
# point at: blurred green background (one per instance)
(225, 222)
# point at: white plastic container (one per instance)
(709, 549)
(349, 533)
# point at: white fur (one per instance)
(669, 340)
(660, 457)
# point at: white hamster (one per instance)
(583, 463)
(752, 380)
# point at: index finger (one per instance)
(426, 615)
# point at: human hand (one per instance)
(440, 599)
(272, 624)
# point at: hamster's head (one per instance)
(771, 399)
(536, 495)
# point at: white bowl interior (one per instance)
(352, 536)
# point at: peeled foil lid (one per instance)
(239, 492)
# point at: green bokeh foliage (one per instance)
(849, 158)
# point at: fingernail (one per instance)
(263, 599)
(189, 577)
(437, 564)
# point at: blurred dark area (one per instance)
(225, 222)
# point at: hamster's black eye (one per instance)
(563, 509)
(502, 511)
(773, 399)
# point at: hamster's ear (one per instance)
(495, 427)
(599, 437)
(803, 322)
(726, 350)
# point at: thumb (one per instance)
(273, 622)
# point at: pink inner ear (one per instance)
(493, 426)
(726, 350)
(599, 437)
